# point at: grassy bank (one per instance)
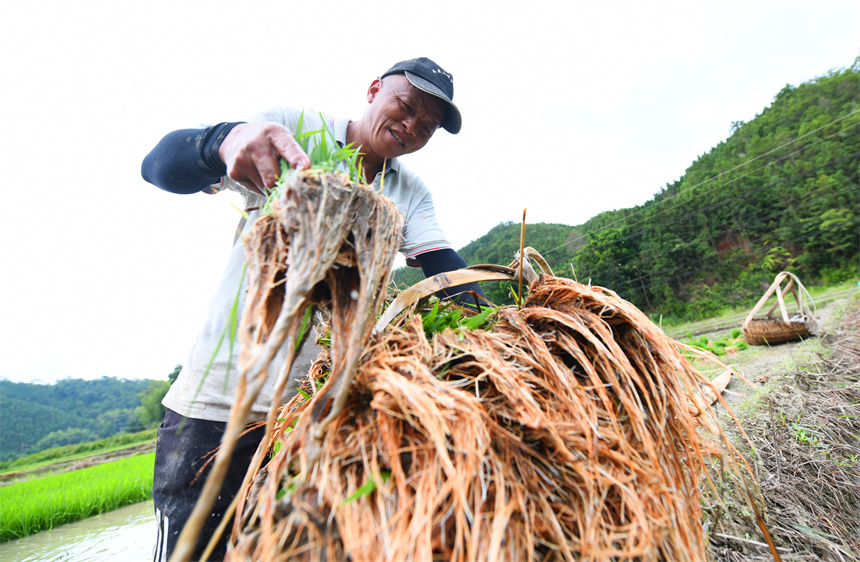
(77, 451)
(43, 503)
(734, 317)
(802, 419)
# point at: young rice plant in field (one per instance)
(43, 503)
(69, 452)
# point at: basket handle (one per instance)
(798, 296)
(782, 309)
(782, 275)
(789, 287)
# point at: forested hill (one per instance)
(780, 193)
(34, 417)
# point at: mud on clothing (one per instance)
(185, 445)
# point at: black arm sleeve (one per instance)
(187, 160)
(440, 261)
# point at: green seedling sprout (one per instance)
(303, 329)
(366, 489)
(326, 155)
(445, 316)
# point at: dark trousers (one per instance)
(179, 455)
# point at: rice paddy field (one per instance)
(43, 503)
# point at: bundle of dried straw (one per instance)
(564, 432)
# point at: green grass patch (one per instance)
(43, 503)
(823, 290)
(79, 450)
(728, 344)
(822, 293)
(447, 316)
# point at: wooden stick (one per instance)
(471, 274)
(764, 298)
(789, 287)
(747, 541)
(782, 306)
(522, 256)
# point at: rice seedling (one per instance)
(325, 154)
(448, 316)
(729, 344)
(324, 239)
(43, 503)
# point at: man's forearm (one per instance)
(187, 160)
(440, 261)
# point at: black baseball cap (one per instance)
(429, 77)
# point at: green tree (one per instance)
(68, 436)
(781, 192)
(172, 376)
(151, 412)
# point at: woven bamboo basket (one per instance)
(770, 330)
(766, 331)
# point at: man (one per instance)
(406, 107)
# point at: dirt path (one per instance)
(801, 415)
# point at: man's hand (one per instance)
(252, 152)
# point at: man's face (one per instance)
(402, 118)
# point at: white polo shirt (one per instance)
(211, 397)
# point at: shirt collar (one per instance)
(338, 127)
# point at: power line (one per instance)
(709, 207)
(696, 211)
(702, 209)
(632, 282)
(744, 255)
(807, 198)
(747, 163)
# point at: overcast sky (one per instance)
(569, 109)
